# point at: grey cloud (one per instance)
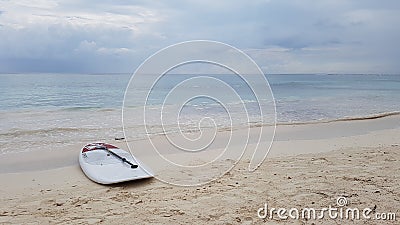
(116, 36)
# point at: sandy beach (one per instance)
(211, 112)
(310, 165)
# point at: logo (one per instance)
(202, 105)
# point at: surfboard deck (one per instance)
(101, 166)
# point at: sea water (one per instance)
(61, 109)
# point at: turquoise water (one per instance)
(298, 97)
(329, 97)
(60, 109)
(61, 91)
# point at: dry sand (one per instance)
(309, 166)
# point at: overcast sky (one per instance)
(282, 36)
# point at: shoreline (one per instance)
(371, 116)
(323, 136)
(22, 135)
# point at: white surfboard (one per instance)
(107, 164)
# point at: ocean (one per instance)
(62, 109)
